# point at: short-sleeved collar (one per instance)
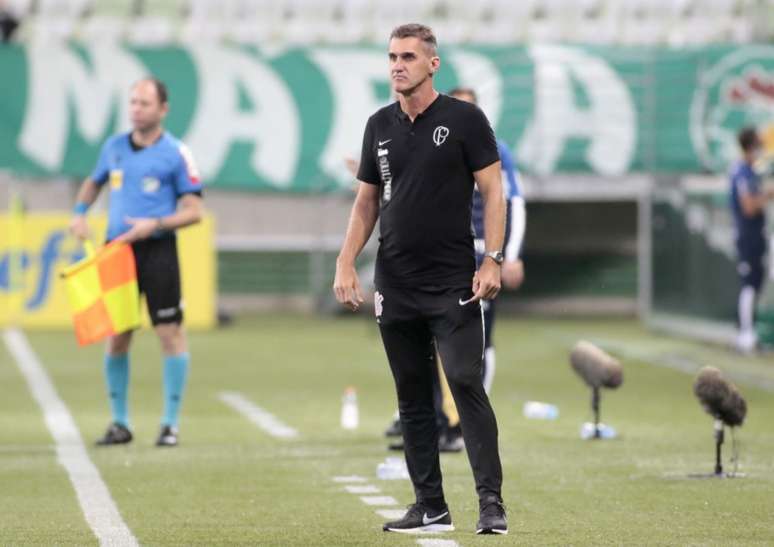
(404, 118)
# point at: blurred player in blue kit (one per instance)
(748, 205)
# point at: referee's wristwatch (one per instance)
(497, 256)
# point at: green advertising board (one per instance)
(285, 119)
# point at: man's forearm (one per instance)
(87, 193)
(361, 224)
(190, 213)
(494, 219)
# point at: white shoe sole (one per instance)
(429, 529)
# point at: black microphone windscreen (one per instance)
(596, 367)
(719, 397)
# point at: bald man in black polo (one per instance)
(421, 157)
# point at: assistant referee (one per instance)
(154, 190)
(420, 159)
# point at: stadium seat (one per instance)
(257, 21)
(158, 22)
(19, 8)
(354, 23)
(57, 19)
(152, 30)
(107, 20)
(508, 24)
(311, 21)
(598, 25)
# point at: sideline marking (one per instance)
(98, 507)
(349, 478)
(378, 500)
(362, 489)
(391, 514)
(263, 419)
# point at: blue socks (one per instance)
(117, 378)
(175, 375)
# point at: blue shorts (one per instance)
(751, 257)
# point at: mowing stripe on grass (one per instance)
(263, 419)
(98, 506)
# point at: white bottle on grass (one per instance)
(350, 416)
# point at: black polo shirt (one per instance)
(425, 174)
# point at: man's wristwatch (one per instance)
(497, 256)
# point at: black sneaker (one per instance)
(115, 434)
(491, 518)
(394, 430)
(167, 436)
(420, 519)
(451, 440)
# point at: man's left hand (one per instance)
(486, 281)
(141, 228)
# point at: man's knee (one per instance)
(119, 344)
(172, 338)
(464, 375)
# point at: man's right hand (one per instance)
(346, 286)
(79, 227)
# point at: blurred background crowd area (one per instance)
(629, 22)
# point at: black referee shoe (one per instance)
(167, 436)
(394, 430)
(419, 518)
(115, 434)
(491, 518)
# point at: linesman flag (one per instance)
(103, 294)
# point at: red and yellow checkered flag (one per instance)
(103, 294)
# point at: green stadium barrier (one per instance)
(283, 120)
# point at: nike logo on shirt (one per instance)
(382, 143)
(427, 520)
(465, 302)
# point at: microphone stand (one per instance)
(719, 435)
(595, 397)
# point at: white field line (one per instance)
(260, 417)
(391, 514)
(349, 478)
(98, 507)
(362, 489)
(384, 501)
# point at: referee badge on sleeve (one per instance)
(116, 179)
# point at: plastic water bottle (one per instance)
(605, 431)
(392, 469)
(350, 417)
(536, 410)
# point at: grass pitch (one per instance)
(230, 483)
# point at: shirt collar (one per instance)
(403, 117)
